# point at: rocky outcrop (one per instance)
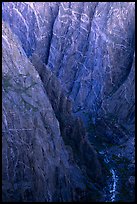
(36, 164)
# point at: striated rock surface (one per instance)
(36, 164)
(72, 128)
(88, 45)
(84, 56)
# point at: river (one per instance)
(114, 185)
(112, 180)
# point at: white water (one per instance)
(114, 180)
(111, 195)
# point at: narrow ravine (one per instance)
(117, 168)
(69, 101)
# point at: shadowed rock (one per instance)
(36, 166)
(84, 56)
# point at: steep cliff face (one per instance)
(84, 56)
(36, 164)
(89, 46)
(72, 128)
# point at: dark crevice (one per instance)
(72, 129)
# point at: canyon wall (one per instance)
(68, 78)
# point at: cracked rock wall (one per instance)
(88, 45)
(85, 50)
(36, 165)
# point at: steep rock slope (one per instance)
(88, 45)
(36, 165)
(72, 129)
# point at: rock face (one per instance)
(89, 47)
(81, 67)
(36, 163)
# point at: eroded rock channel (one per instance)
(68, 101)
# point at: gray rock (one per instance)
(90, 48)
(84, 55)
(35, 164)
(72, 128)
